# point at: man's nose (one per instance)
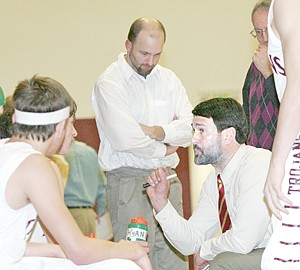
(150, 60)
(265, 37)
(195, 137)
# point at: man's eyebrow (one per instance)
(198, 125)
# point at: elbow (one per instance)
(245, 250)
(243, 247)
(186, 249)
(78, 258)
(77, 255)
(187, 253)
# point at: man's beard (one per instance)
(142, 71)
(206, 158)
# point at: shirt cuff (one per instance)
(165, 215)
(169, 130)
(160, 151)
(205, 251)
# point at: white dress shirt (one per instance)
(122, 99)
(243, 178)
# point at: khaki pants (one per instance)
(86, 219)
(127, 199)
(236, 261)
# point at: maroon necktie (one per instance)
(223, 212)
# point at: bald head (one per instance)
(151, 25)
(263, 4)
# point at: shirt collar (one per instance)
(233, 163)
(129, 72)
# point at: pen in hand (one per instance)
(145, 185)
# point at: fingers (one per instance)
(257, 49)
(255, 55)
(276, 201)
(157, 175)
(142, 244)
(262, 46)
(153, 179)
(260, 51)
(272, 205)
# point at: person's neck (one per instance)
(226, 157)
(40, 146)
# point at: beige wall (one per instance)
(208, 43)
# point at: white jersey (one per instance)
(15, 224)
(276, 57)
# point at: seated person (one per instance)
(35, 232)
(30, 183)
(239, 171)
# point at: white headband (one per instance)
(42, 118)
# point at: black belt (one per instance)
(80, 207)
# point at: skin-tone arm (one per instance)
(158, 195)
(261, 60)
(43, 190)
(48, 235)
(159, 188)
(199, 263)
(286, 22)
(44, 250)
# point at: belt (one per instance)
(80, 207)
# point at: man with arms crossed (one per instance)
(143, 115)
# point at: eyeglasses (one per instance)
(258, 33)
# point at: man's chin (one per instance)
(199, 161)
(144, 72)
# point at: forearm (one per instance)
(267, 71)
(288, 127)
(288, 124)
(159, 204)
(44, 250)
(93, 250)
